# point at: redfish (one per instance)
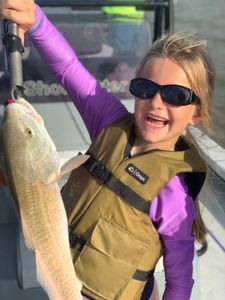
(32, 168)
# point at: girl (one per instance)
(134, 199)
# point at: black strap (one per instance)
(86, 296)
(98, 170)
(143, 275)
(76, 241)
(13, 43)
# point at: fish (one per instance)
(31, 167)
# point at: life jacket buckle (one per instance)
(99, 171)
(76, 241)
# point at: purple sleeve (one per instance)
(173, 213)
(97, 107)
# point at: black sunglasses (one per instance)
(171, 93)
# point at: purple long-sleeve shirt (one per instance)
(172, 210)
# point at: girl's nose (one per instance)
(156, 100)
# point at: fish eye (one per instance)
(29, 132)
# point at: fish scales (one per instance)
(32, 167)
(48, 239)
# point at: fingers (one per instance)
(21, 34)
(21, 5)
(21, 12)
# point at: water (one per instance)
(207, 17)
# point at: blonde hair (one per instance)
(189, 51)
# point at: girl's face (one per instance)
(159, 124)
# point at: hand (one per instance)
(21, 12)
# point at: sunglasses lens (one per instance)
(176, 95)
(142, 88)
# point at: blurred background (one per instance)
(208, 18)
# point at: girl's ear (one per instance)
(197, 116)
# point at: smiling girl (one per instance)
(120, 225)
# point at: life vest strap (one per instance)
(98, 170)
(143, 275)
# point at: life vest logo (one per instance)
(136, 173)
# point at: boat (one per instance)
(113, 64)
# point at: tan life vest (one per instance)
(115, 244)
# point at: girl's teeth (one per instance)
(156, 121)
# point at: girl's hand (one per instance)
(21, 12)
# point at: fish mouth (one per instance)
(8, 111)
(155, 120)
(12, 111)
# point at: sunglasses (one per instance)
(171, 93)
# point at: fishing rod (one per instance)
(13, 49)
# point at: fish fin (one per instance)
(72, 164)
